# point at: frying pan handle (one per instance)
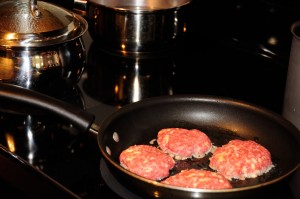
(16, 96)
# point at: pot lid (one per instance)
(32, 23)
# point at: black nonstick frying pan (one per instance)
(222, 119)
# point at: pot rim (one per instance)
(140, 6)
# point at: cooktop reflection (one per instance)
(118, 80)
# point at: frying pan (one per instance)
(221, 118)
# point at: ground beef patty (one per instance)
(183, 143)
(147, 161)
(202, 179)
(241, 159)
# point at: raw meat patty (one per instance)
(241, 159)
(146, 161)
(183, 143)
(195, 178)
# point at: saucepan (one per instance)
(221, 118)
(132, 27)
(136, 26)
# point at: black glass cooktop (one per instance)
(237, 49)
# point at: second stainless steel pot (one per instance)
(137, 26)
(132, 26)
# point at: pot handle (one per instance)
(16, 95)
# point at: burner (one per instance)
(39, 137)
(113, 183)
(119, 80)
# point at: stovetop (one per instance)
(236, 49)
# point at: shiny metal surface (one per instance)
(137, 26)
(141, 5)
(40, 42)
(29, 67)
(35, 24)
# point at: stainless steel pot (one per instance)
(40, 42)
(136, 26)
(132, 27)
